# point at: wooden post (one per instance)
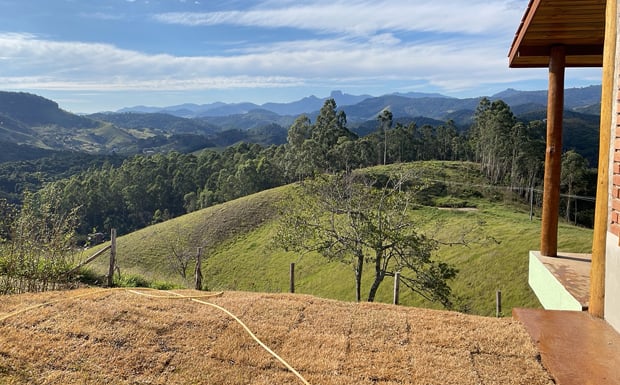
(292, 278)
(553, 155)
(531, 203)
(498, 303)
(596, 305)
(112, 258)
(198, 270)
(396, 287)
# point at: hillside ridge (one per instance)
(33, 120)
(239, 252)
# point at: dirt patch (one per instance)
(466, 209)
(122, 338)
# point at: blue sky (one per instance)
(98, 55)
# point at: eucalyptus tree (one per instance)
(298, 153)
(401, 143)
(385, 119)
(491, 136)
(573, 176)
(446, 136)
(329, 130)
(330, 125)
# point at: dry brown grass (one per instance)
(117, 337)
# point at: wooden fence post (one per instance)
(112, 257)
(531, 203)
(292, 278)
(198, 270)
(396, 287)
(498, 303)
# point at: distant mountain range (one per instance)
(305, 105)
(31, 120)
(366, 107)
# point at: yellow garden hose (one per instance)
(195, 298)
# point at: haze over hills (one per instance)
(304, 105)
(32, 120)
(363, 107)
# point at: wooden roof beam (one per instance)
(571, 50)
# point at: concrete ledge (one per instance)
(562, 282)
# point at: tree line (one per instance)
(143, 190)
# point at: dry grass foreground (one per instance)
(117, 337)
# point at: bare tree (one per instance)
(180, 255)
(355, 219)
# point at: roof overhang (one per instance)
(578, 25)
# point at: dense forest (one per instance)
(130, 193)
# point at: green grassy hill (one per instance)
(239, 253)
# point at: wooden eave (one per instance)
(579, 25)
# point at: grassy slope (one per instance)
(145, 252)
(240, 255)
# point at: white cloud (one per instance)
(102, 16)
(445, 46)
(125, 84)
(385, 39)
(367, 17)
(368, 43)
(31, 61)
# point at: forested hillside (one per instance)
(33, 120)
(174, 174)
(44, 166)
(34, 110)
(38, 124)
(149, 189)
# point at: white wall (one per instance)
(612, 282)
(612, 253)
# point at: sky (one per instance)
(103, 55)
